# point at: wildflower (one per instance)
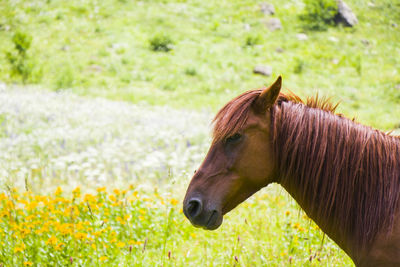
(120, 220)
(174, 201)
(112, 198)
(77, 192)
(89, 198)
(103, 258)
(58, 191)
(19, 248)
(28, 263)
(141, 211)
(193, 235)
(80, 235)
(296, 225)
(133, 242)
(287, 213)
(117, 192)
(101, 189)
(59, 245)
(120, 244)
(52, 240)
(3, 196)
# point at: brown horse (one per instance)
(344, 175)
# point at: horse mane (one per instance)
(348, 174)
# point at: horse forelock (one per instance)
(231, 118)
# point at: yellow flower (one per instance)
(19, 248)
(133, 242)
(103, 258)
(112, 198)
(174, 201)
(59, 245)
(58, 191)
(141, 211)
(3, 196)
(287, 213)
(77, 192)
(80, 235)
(89, 198)
(52, 240)
(94, 246)
(193, 235)
(117, 192)
(101, 189)
(120, 244)
(120, 220)
(28, 263)
(296, 225)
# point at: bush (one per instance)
(21, 64)
(318, 14)
(161, 42)
(252, 40)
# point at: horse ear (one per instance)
(268, 96)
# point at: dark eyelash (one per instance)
(233, 138)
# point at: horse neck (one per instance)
(334, 167)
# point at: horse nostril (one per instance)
(194, 207)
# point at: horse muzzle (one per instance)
(201, 216)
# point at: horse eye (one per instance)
(234, 138)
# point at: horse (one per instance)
(344, 175)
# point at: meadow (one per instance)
(105, 111)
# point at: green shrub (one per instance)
(21, 64)
(318, 14)
(190, 71)
(161, 42)
(298, 66)
(252, 40)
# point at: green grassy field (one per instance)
(158, 135)
(103, 48)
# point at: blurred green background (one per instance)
(199, 54)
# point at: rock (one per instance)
(365, 42)
(274, 24)
(95, 68)
(333, 39)
(267, 8)
(394, 25)
(302, 36)
(279, 50)
(345, 15)
(263, 70)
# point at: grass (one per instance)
(103, 48)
